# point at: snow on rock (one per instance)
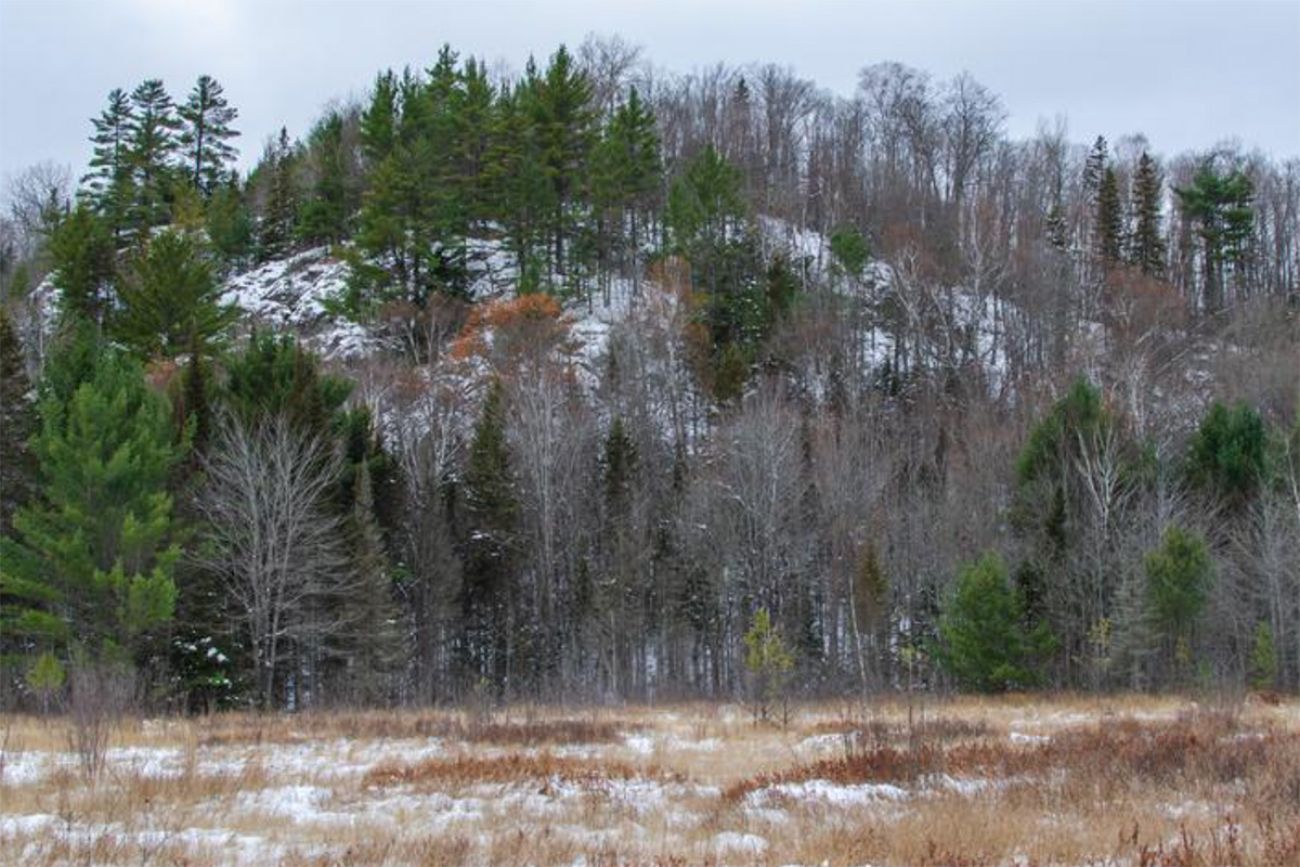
(295, 294)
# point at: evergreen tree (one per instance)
(379, 122)
(1094, 167)
(170, 302)
(84, 262)
(490, 515)
(153, 146)
(1228, 454)
(18, 422)
(205, 134)
(92, 563)
(325, 214)
(516, 174)
(1110, 219)
(1179, 575)
(1221, 206)
(278, 226)
(110, 183)
(1148, 243)
(626, 171)
(562, 109)
(985, 645)
(228, 222)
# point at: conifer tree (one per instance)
(379, 122)
(1221, 206)
(521, 191)
(626, 171)
(153, 146)
(205, 133)
(84, 261)
(1110, 220)
(490, 514)
(325, 214)
(229, 223)
(109, 185)
(93, 560)
(18, 422)
(985, 645)
(1148, 244)
(563, 111)
(279, 221)
(169, 301)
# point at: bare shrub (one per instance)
(101, 692)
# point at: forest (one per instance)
(664, 385)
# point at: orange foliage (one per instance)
(506, 330)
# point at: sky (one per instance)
(1186, 73)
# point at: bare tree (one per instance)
(272, 542)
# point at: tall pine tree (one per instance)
(205, 133)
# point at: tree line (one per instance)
(1022, 413)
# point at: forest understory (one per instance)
(1068, 779)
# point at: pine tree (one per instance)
(1110, 220)
(521, 191)
(1179, 574)
(92, 563)
(18, 422)
(626, 171)
(170, 302)
(379, 122)
(279, 222)
(1148, 243)
(325, 214)
(985, 645)
(207, 118)
(562, 109)
(153, 146)
(110, 184)
(1221, 206)
(84, 262)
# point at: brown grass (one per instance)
(1127, 781)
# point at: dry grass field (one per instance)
(1135, 781)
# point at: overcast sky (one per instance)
(1187, 73)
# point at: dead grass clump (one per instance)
(513, 768)
(544, 733)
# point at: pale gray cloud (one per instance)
(1187, 74)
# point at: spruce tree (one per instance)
(279, 222)
(228, 222)
(1148, 243)
(1110, 220)
(170, 302)
(205, 133)
(490, 515)
(110, 184)
(92, 563)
